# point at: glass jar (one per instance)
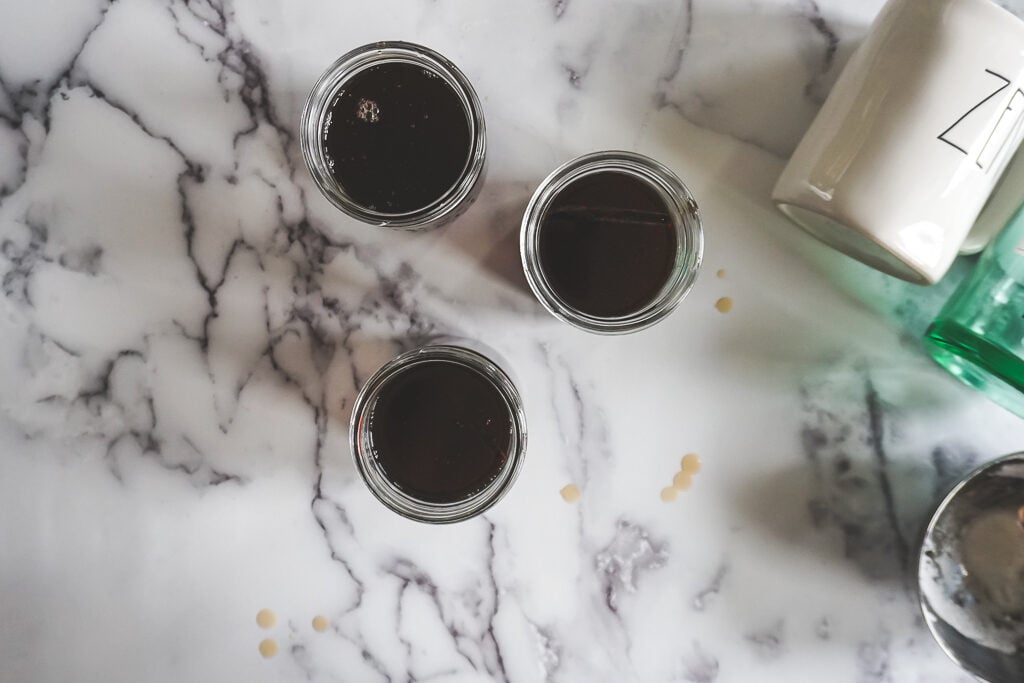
(316, 119)
(468, 355)
(681, 208)
(979, 334)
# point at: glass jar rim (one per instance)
(685, 215)
(376, 479)
(317, 106)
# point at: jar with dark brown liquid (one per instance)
(439, 433)
(611, 242)
(393, 134)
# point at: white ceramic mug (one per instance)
(916, 133)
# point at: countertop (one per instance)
(185, 322)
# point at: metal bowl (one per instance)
(971, 572)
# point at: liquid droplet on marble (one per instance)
(570, 493)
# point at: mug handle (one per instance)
(1005, 199)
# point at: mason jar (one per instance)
(682, 215)
(421, 458)
(318, 118)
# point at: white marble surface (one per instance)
(184, 323)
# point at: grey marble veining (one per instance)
(185, 322)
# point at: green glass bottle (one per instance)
(979, 334)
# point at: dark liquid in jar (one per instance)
(441, 431)
(398, 137)
(607, 244)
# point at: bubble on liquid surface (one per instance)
(368, 111)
